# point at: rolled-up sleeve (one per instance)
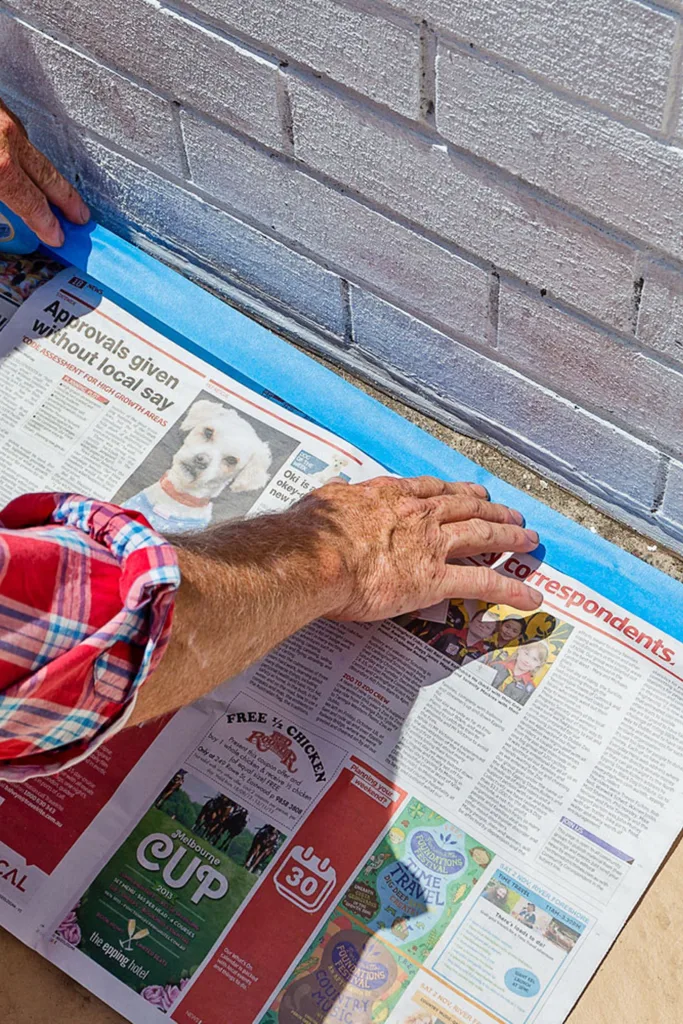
(87, 592)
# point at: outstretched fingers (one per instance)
(428, 486)
(481, 584)
(459, 508)
(481, 536)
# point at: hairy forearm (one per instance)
(245, 587)
(361, 552)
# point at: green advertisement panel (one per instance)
(155, 910)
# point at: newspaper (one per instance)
(19, 277)
(440, 819)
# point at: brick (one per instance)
(672, 505)
(594, 367)
(352, 238)
(660, 321)
(374, 55)
(447, 194)
(613, 172)
(615, 52)
(173, 54)
(73, 86)
(124, 193)
(483, 389)
(44, 130)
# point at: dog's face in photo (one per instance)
(220, 449)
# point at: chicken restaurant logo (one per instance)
(278, 743)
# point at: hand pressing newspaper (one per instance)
(438, 819)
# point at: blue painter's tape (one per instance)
(251, 353)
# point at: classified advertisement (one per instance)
(440, 819)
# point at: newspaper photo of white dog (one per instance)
(212, 465)
(334, 471)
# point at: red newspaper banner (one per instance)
(293, 899)
(45, 817)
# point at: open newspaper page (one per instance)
(443, 819)
(96, 402)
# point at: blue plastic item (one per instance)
(15, 237)
(254, 355)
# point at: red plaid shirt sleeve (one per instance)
(86, 604)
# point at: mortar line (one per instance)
(345, 290)
(662, 480)
(636, 302)
(494, 308)
(284, 108)
(673, 100)
(507, 182)
(176, 107)
(427, 73)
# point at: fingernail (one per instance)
(59, 235)
(517, 517)
(539, 598)
(533, 536)
(84, 213)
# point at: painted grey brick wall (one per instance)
(614, 52)
(673, 499)
(478, 205)
(372, 53)
(338, 230)
(585, 447)
(444, 192)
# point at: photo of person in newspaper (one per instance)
(211, 465)
(470, 641)
(512, 652)
(517, 666)
(535, 918)
(498, 895)
(465, 637)
(516, 676)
